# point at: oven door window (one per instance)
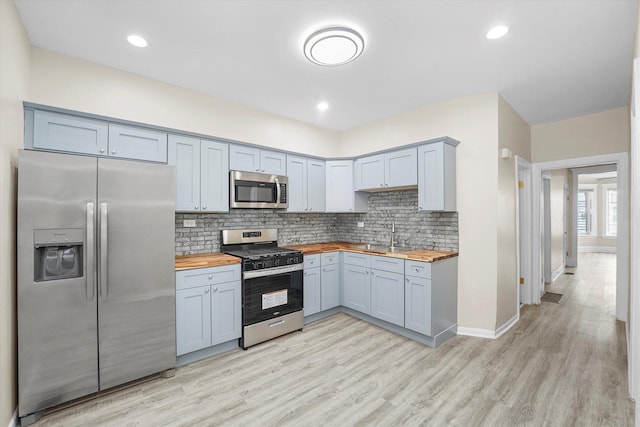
(251, 191)
(268, 297)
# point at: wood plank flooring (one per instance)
(560, 365)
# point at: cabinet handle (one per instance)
(210, 276)
(406, 279)
(367, 271)
(386, 185)
(381, 185)
(310, 209)
(204, 207)
(196, 208)
(419, 207)
(102, 150)
(373, 274)
(206, 291)
(262, 170)
(215, 289)
(311, 261)
(113, 151)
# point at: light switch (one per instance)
(189, 222)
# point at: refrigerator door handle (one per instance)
(103, 280)
(91, 253)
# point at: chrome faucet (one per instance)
(393, 235)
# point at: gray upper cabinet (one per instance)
(386, 171)
(53, 131)
(128, 142)
(202, 174)
(341, 196)
(62, 132)
(437, 176)
(306, 184)
(251, 159)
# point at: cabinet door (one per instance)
(356, 288)
(273, 162)
(417, 304)
(184, 154)
(52, 131)
(311, 291)
(387, 296)
(330, 287)
(437, 177)
(226, 312)
(128, 142)
(297, 188)
(401, 168)
(193, 319)
(214, 176)
(316, 185)
(340, 193)
(243, 158)
(369, 172)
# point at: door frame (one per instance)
(546, 233)
(523, 231)
(622, 241)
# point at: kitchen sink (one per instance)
(380, 248)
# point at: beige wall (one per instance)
(65, 82)
(14, 87)
(515, 135)
(600, 133)
(472, 120)
(559, 179)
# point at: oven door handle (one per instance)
(272, 271)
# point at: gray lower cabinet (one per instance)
(387, 296)
(311, 291)
(431, 295)
(330, 286)
(63, 132)
(321, 286)
(208, 307)
(356, 288)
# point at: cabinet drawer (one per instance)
(417, 269)
(207, 276)
(311, 261)
(329, 258)
(353, 258)
(394, 265)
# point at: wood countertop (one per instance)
(425, 255)
(215, 259)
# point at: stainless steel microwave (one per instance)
(257, 190)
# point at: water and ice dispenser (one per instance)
(58, 254)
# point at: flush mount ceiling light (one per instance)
(333, 46)
(497, 32)
(137, 40)
(323, 106)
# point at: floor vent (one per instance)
(551, 297)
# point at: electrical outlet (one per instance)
(189, 222)
(361, 225)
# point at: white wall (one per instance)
(14, 87)
(66, 82)
(472, 120)
(600, 133)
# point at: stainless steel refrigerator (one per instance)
(96, 281)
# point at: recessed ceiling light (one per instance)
(137, 41)
(333, 46)
(497, 32)
(323, 106)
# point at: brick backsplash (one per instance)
(413, 229)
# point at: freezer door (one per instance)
(57, 323)
(136, 277)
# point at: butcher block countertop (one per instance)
(425, 255)
(215, 259)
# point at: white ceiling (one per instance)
(560, 59)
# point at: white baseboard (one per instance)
(13, 422)
(557, 272)
(603, 249)
(488, 333)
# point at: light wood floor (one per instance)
(561, 365)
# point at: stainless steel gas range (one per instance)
(271, 284)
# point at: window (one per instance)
(610, 199)
(586, 210)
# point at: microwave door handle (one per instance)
(277, 193)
